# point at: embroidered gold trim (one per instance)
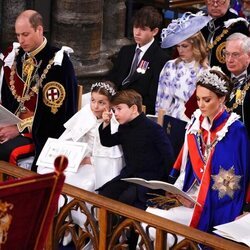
(53, 95)
(218, 38)
(219, 52)
(36, 51)
(26, 123)
(5, 220)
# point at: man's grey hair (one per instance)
(245, 41)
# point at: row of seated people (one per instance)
(171, 90)
(148, 154)
(126, 192)
(127, 98)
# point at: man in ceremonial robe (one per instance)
(39, 86)
(224, 22)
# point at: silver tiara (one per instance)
(105, 86)
(206, 77)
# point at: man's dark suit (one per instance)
(243, 109)
(145, 84)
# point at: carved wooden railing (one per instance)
(96, 229)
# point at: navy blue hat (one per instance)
(182, 28)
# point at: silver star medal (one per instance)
(226, 182)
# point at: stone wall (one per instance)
(94, 29)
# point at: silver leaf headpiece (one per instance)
(104, 85)
(208, 78)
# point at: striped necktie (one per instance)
(133, 66)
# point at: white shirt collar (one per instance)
(144, 48)
(238, 76)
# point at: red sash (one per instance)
(202, 171)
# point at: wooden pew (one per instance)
(97, 228)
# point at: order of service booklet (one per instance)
(74, 151)
(237, 230)
(7, 117)
(154, 184)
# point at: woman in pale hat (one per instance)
(213, 165)
(178, 76)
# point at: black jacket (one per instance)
(145, 84)
(147, 150)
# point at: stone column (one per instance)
(9, 12)
(114, 19)
(78, 24)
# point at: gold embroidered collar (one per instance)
(37, 50)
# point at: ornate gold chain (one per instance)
(239, 101)
(26, 96)
(218, 38)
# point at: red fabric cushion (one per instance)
(27, 208)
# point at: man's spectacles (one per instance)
(218, 2)
(234, 55)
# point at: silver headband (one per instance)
(104, 86)
(208, 78)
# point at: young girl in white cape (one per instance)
(100, 163)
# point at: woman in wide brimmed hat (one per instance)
(178, 76)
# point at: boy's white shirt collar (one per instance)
(144, 48)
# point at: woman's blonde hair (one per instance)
(199, 49)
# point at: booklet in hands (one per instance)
(7, 118)
(154, 184)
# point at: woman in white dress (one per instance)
(178, 76)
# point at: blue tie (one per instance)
(133, 66)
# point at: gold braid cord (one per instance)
(219, 37)
(26, 123)
(163, 202)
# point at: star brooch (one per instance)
(226, 182)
